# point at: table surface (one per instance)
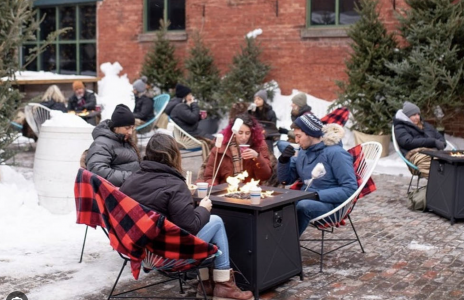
(444, 155)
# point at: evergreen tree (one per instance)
(246, 74)
(363, 94)
(160, 65)
(18, 24)
(203, 76)
(431, 72)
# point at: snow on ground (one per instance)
(41, 75)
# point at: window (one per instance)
(332, 12)
(167, 10)
(75, 51)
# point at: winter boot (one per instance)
(208, 284)
(225, 287)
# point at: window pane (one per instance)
(48, 58)
(347, 13)
(176, 14)
(322, 12)
(155, 10)
(68, 19)
(68, 63)
(88, 59)
(25, 53)
(49, 23)
(88, 20)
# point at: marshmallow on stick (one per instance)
(237, 124)
(219, 140)
(317, 172)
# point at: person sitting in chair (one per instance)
(160, 186)
(143, 110)
(413, 135)
(54, 99)
(318, 144)
(81, 99)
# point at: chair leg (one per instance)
(181, 288)
(201, 284)
(410, 183)
(357, 237)
(322, 251)
(117, 279)
(83, 244)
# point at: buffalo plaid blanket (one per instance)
(135, 230)
(338, 116)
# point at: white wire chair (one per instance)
(36, 115)
(188, 142)
(366, 162)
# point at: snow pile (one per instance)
(15, 192)
(416, 246)
(60, 119)
(41, 75)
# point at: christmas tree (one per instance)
(160, 65)
(246, 74)
(431, 71)
(203, 77)
(362, 93)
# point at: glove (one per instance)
(289, 151)
(440, 145)
(283, 130)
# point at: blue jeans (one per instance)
(215, 233)
(310, 209)
(281, 145)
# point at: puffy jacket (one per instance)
(258, 168)
(89, 99)
(268, 116)
(144, 109)
(52, 104)
(110, 156)
(187, 117)
(409, 136)
(338, 184)
(171, 104)
(163, 189)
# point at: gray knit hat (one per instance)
(262, 94)
(300, 100)
(410, 109)
(140, 85)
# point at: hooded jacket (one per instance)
(110, 156)
(339, 183)
(410, 137)
(89, 99)
(163, 189)
(171, 104)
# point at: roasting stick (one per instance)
(218, 144)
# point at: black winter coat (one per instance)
(265, 114)
(187, 117)
(110, 156)
(409, 136)
(90, 102)
(163, 189)
(171, 104)
(144, 109)
(54, 105)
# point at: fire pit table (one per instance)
(263, 238)
(445, 187)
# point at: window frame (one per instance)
(337, 17)
(78, 41)
(165, 17)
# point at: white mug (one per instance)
(255, 195)
(202, 190)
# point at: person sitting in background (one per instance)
(318, 145)
(81, 99)
(160, 186)
(181, 92)
(143, 110)
(254, 159)
(54, 99)
(263, 112)
(413, 135)
(238, 108)
(113, 155)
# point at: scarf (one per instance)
(236, 158)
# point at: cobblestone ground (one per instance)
(408, 255)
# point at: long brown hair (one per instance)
(163, 148)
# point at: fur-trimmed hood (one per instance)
(333, 134)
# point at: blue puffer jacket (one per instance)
(337, 185)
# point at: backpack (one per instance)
(417, 198)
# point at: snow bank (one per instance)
(60, 119)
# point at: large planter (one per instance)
(384, 140)
(56, 163)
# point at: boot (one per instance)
(208, 284)
(225, 287)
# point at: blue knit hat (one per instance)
(310, 125)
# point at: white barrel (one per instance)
(56, 163)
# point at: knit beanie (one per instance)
(78, 85)
(140, 85)
(182, 90)
(300, 100)
(410, 109)
(122, 116)
(262, 94)
(310, 125)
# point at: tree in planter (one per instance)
(362, 93)
(160, 65)
(203, 76)
(246, 75)
(18, 24)
(431, 73)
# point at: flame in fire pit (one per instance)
(457, 154)
(245, 189)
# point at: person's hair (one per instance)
(163, 148)
(238, 108)
(294, 126)
(54, 93)
(257, 135)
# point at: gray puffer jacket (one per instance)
(110, 156)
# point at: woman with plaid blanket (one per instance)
(160, 186)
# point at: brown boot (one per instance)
(208, 284)
(225, 287)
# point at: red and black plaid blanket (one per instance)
(338, 116)
(133, 228)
